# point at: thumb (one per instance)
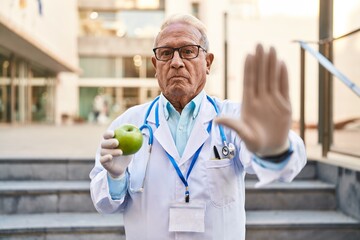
(239, 127)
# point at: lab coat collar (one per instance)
(163, 133)
(197, 137)
(199, 133)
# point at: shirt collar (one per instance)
(194, 104)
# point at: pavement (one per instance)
(81, 141)
(50, 141)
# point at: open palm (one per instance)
(266, 109)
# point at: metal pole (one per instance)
(325, 31)
(325, 79)
(302, 93)
(225, 57)
(12, 89)
(328, 108)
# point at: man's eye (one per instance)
(187, 51)
(166, 53)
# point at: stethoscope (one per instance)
(228, 149)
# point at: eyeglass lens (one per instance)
(186, 52)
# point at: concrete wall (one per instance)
(349, 192)
(347, 183)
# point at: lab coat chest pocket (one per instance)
(222, 181)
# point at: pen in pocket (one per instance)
(216, 153)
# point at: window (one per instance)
(110, 67)
(100, 67)
(126, 23)
(195, 9)
(150, 70)
(131, 67)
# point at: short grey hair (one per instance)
(186, 19)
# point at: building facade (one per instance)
(35, 48)
(64, 61)
(115, 48)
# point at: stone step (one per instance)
(308, 172)
(300, 225)
(62, 226)
(279, 225)
(77, 169)
(45, 169)
(296, 195)
(25, 197)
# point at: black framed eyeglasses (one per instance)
(185, 52)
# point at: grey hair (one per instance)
(186, 19)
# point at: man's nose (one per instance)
(176, 61)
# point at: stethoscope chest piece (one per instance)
(228, 151)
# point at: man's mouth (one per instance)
(178, 77)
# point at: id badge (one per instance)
(187, 217)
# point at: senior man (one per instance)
(191, 184)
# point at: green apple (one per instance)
(130, 138)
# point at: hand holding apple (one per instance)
(112, 158)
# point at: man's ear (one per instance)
(209, 60)
(153, 60)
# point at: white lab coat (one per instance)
(217, 183)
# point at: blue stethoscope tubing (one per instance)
(151, 134)
(227, 149)
(146, 125)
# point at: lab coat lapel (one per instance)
(199, 132)
(162, 133)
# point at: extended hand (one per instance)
(111, 156)
(266, 109)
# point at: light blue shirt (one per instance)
(182, 124)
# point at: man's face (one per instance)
(179, 77)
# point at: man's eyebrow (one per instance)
(179, 44)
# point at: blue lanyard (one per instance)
(173, 162)
(181, 176)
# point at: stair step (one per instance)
(296, 195)
(24, 187)
(24, 197)
(299, 225)
(62, 226)
(307, 173)
(45, 169)
(278, 225)
(78, 169)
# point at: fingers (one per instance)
(110, 145)
(273, 71)
(249, 91)
(114, 152)
(261, 73)
(284, 81)
(108, 163)
(244, 132)
(109, 134)
(106, 160)
(270, 74)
